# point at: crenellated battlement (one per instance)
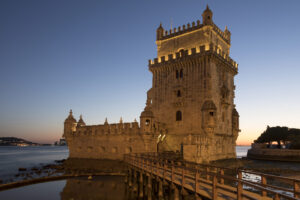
(202, 50)
(189, 27)
(104, 129)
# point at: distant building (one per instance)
(61, 142)
(190, 108)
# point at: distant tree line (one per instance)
(290, 137)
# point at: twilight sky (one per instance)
(92, 56)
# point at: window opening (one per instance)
(178, 116)
(178, 93)
(147, 122)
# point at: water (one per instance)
(12, 158)
(104, 187)
(241, 151)
(45, 191)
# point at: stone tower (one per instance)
(70, 124)
(192, 94)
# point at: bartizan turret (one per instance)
(146, 119)
(80, 122)
(159, 32)
(70, 124)
(207, 16)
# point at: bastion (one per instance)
(190, 107)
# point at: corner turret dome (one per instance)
(207, 16)
(70, 118)
(147, 111)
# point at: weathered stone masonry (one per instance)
(190, 108)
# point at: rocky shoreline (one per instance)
(74, 167)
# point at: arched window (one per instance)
(178, 115)
(178, 93)
(177, 74)
(181, 73)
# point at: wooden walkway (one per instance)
(214, 182)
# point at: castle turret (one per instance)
(209, 114)
(70, 124)
(146, 119)
(207, 16)
(80, 121)
(227, 34)
(159, 32)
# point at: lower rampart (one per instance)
(109, 146)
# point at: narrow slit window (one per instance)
(178, 93)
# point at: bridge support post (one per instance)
(296, 189)
(135, 187)
(160, 189)
(214, 188)
(240, 186)
(264, 183)
(129, 177)
(149, 187)
(141, 186)
(175, 192)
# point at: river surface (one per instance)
(12, 158)
(104, 187)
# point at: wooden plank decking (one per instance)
(211, 182)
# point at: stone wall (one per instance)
(274, 154)
(109, 146)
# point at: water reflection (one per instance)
(104, 187)
(101, 187)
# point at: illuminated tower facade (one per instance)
(191, 102)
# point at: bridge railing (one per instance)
(218, 178)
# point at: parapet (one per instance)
(194, 26)
(111, 129)
(202, 50)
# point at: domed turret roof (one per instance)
(160, 27)
(81, 122)
(207, 16)
(207, 10)
(147, 111)
(70, 118)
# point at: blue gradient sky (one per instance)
(92, 56)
